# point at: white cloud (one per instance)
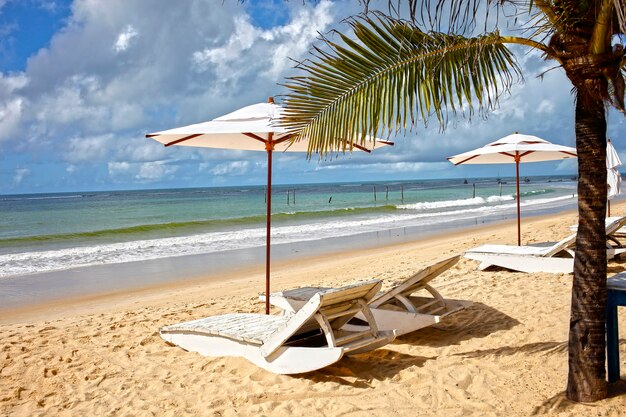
(90, 149)
(117, 169)
(251, 51)
(140, 149)
(49, 5)
(10, 116)
(11, 104)
(299, 33)
(388, 167)
(546, 106)
(153, 171)
(19, 175)
(566, 165)
(123, 40)
(231, 168)
(243, 38)
(11, 83)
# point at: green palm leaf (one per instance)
(389, 77)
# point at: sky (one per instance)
(83, 81)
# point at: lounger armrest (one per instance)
(291, 327)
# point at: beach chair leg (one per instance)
(618, 244)
(612, 343)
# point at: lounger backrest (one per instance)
(416, 282)
(612, 225)
(561, 245)
(337, 306)
(615, 225)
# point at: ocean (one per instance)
(42, 233)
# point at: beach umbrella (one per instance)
(613, 177)
(251, 128)
(515, 148)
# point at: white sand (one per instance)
(505, 356)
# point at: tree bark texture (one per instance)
(587, 345)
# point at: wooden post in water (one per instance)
(287, 196)
(386, 193)
(474, 190)
(402, 193)
(500, 189)
(294, 196)
(374, 193)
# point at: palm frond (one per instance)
(391, 76)
(452, 16)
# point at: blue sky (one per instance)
(82, 81)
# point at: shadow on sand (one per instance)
(532, 348)
(559, 403)
(357, 371)
(477, 321)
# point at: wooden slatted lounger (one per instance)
(306, 341)
(544, 257)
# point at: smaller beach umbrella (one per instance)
(613, 177)
(515, 148)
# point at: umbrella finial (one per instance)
(270, 100)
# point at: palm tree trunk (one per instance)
(586, 378)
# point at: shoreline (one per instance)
(21, 292)
(107, 242)
(289, 258)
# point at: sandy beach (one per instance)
(505, 355)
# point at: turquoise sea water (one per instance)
(52, 232)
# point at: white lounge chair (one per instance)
(399, 309)
(615, 229)
(308, 340)
(554, 257)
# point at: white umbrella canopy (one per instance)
(613, 176)
(251, 128)
(515, 148)
(527, 148)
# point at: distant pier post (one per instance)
(402, 193)
(374, 193)
(500, 189)
(386, 193)
(474, 190)
(294, 196)
(287, 196)
(265, 195)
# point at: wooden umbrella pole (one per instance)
(519, 234)
(269, 147)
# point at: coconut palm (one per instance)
(386, 74)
